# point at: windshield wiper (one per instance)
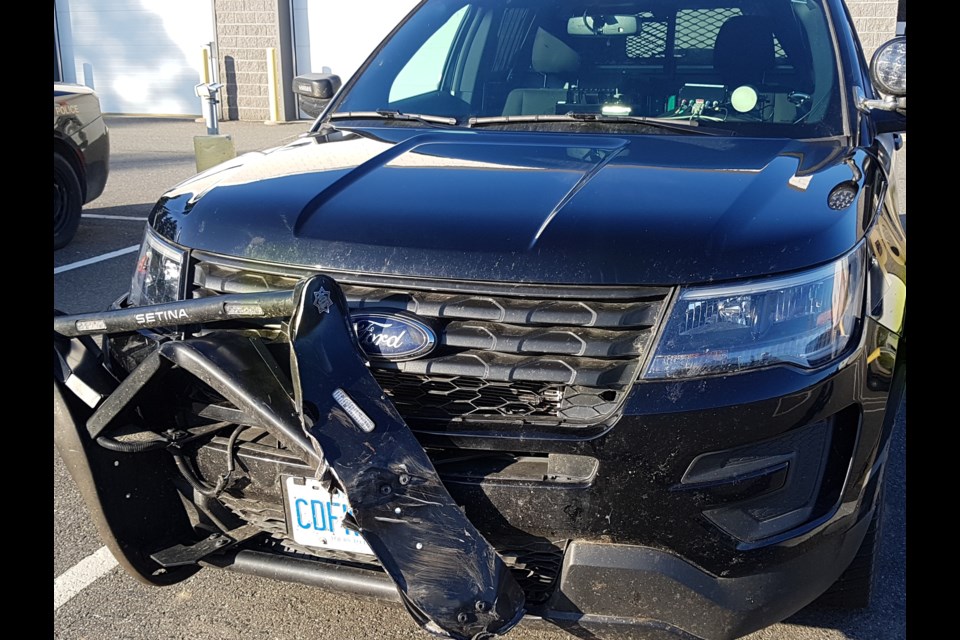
(686, 125)
(386, 114)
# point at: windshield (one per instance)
(750, 67)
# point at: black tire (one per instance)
(855, 587)
(67, 202)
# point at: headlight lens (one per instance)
(157, 277)
(805, 320)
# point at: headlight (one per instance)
(158, 273)
(806, 320)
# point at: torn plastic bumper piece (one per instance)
(445, 570)
(448, 576)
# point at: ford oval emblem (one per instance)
(393, 336)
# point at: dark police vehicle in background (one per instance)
(592, 311)
(81, 156)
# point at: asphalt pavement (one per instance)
(98, 601)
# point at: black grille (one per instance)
(542, 353)
(535, 566)
(450, 397)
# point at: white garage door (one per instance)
(324, 45)
(141, 56)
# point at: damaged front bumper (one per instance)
(633, 528)
(330, 411)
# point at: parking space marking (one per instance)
(95, 259)
(81, 575)
(104, 216)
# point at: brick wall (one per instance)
(245, 28)
(876, 22)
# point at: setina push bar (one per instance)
(448, 576)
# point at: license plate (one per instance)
(315, 517)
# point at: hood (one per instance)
(525, 207)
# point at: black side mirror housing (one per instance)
(315, 90)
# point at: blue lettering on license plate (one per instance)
(322, 515)
(315, 517)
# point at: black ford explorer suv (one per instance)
(590, 311)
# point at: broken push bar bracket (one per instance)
(449, 577)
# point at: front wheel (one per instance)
(67, 202)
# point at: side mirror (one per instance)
(315, 90)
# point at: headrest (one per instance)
(744, 50)
(552, 55)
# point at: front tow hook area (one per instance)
(449, 577)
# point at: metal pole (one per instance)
(210, 102)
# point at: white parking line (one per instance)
(95, 259)
(81, 575)
(104, 216)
